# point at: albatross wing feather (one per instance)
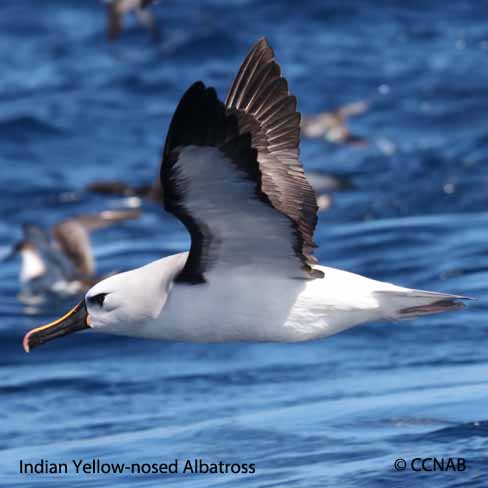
(234, 179)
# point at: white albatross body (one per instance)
(250, 306)
(231, 174)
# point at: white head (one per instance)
(121, 304)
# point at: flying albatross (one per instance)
(231, 174)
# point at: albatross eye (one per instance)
(98, 299)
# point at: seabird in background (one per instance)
(151, 192)
(61, 261)
(332, 125)
(323, 185)
(118, 9)
(231, 174)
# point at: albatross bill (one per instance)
(231, 174)
(76, 319)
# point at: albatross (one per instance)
(231, 174)
(60, 260)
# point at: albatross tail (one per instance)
(408, 304)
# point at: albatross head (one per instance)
(121, 304)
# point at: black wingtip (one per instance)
(198, 109)
(194, 87)
(199, 120)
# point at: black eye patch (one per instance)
(98, 299)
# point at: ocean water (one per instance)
(339, 412)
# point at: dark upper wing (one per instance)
(266, 109)
(235, 181)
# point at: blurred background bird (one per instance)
(60, 261)
(117, 11)
(151, 192)
(324, 184)
(332, 125)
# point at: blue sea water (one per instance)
(75, 108)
